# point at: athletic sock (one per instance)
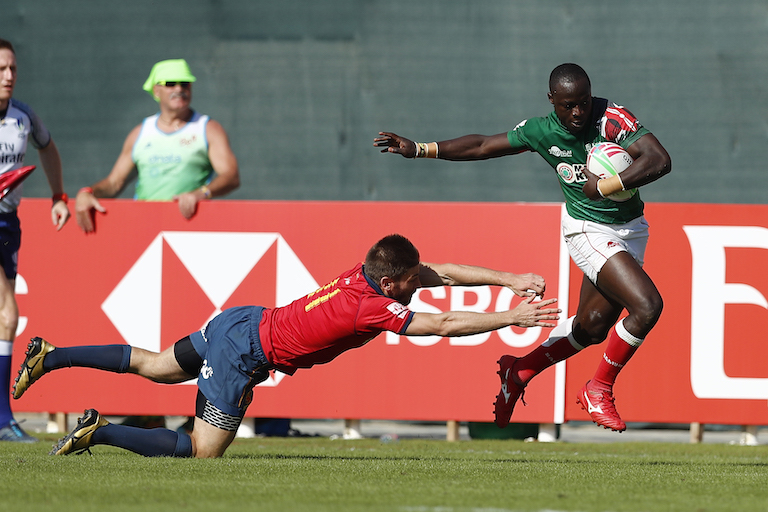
(6, 351)
(153, 442)
(622, 345)
(112, 358)
(559, 346)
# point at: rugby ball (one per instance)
(607, 159)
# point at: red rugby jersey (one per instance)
(346, 313)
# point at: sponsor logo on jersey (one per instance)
(398, 310)
(571, 173)
(164, 159)
(13, 158)
(520, 125)
(566, 172)
(560, 153)
(187, 142)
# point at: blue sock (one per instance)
(112, 358)
(152, 442)
(6, 349)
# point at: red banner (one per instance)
(148, 277)
(705, 359)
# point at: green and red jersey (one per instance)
(567, 154)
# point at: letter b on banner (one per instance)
(709, 295)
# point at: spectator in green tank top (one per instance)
(177, 154)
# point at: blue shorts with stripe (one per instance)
(233, 361)
(10, 241)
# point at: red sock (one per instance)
(543, 357)
(622, 345)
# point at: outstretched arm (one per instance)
(463, 323)
(468, 147)
(452, 274)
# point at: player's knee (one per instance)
(9, 316)
(647, 313)
(591, 329)
(203, 449)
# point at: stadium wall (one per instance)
(303, 87)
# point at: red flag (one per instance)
(12, 179)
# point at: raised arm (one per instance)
(468, 147)
(452, 274)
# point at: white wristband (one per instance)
(597, 186)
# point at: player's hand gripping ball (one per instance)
(607, 159)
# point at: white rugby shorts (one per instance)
(591, 244)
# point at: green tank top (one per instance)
(169, 164)
(567, 154)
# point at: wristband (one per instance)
(206, 191)
(87, 190)
(597, 186)
(621, 181)
(611, 183)
(426, 150)
(60, 196)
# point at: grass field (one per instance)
(286, 474)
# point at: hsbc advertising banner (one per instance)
(147, 277)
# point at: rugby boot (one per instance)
(510, 392)
(14, 433)
(598, 402)
(32, 367)
(79, 440)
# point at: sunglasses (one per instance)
(174, 84)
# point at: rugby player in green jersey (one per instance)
(605, 238)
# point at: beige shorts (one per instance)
(591, 244)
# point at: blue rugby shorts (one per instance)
(233, 361)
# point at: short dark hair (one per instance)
(7, 45)
(565, 73)
(392, 256)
